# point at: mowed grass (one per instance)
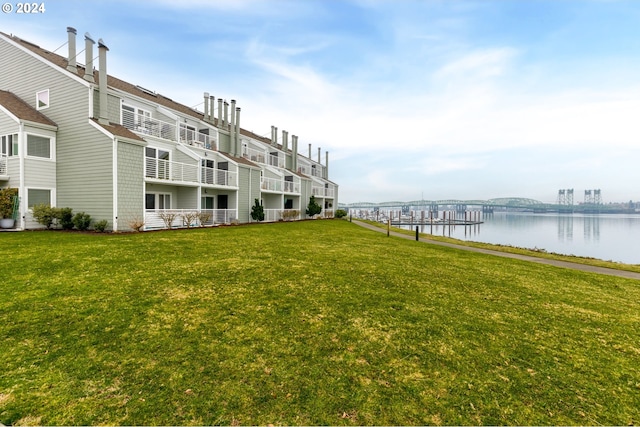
(307, 323)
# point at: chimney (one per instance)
(326, 165)
(102, 83)
(272, 133)
(206, 106)
(237, 132)
(285, 141)
(88, 54)
(319, 155)
(309, 151)
(212, 101)
(274, 140)
(220, 112)
(232, 129)
(225, 120)
(294, 153)
(71, 66)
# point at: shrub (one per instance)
(82, 221)
(136, 224)
(44, 214)
(204, 217)
(101, 225)
(168, 217)
(257, 211)
(189, 218)
(341, 213)
(6, 202)
(313, 208)
(64, 217)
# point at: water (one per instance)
(614, 237)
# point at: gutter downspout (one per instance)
(115, 184)
(22, 190)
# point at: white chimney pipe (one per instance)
(212, 102)
(102, 84)
(71, 66)
(319, 149)
(220, 112)
(309, 151)
(294, 153)
(326, 165)
(225, 120)
(88, 54)
(232, 129)
(237, 132)
(274, 140)
(206, 106)
(285, 141)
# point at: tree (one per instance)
(257, 211)
(313, 208)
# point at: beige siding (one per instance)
(187, 198)
(7, 125)
(84, 155)
(40, 173)
(249, 183)
(130, 185)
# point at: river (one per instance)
(614, 237)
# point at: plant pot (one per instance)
(7, 223)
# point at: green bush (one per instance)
(257, 211)
(101, 225)
(82, 221)
(64, 217)
(341, 213)
(44, 214)
(313, 208)
(6, 202)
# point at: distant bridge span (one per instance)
(511, 202)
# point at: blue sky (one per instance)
(435, 99)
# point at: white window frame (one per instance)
(138, 113)
(157, 196)
(9, 149)
(51, 146)
(46, 104)
(51, 196)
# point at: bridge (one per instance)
(509, 203)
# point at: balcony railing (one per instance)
(183, 172)
(276, 161)
(271, 184)
(254, 155)
(197, 139)
(3, 164)
(155, 219)
(272, 215)
(291, 187)
(317, 190)
(146, 125)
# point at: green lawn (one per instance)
(315, 322)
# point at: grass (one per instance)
(316, 322)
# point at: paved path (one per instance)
(564, 264)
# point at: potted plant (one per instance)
(8, 208)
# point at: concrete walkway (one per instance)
(563, 264)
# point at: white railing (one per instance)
(197, 139)
(272, 215)
(176, 171)
(329, 192)
(316, 190)
(171, 171)
(218, 177)
(3, 164)
(303, 170)
(276, 161)
(156, 219)
(254, 155)
(148, 126)
(271, 184)
(291, 187)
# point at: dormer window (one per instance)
(42, 99)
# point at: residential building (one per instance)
(75, 136)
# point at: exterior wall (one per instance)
(223, 142)
(305, 195)
(113, 106)
(187, 198)
(83, 154)
(7, 124)
(249, 182)
(130, 185)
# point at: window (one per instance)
(38, 197)
(38, 146)
(157, 163)
(155, 201)
(42, 99)
(136, 119)
(9, 145)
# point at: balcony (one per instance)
(254, 155)
(182, 172)
(145, 125)
(155, 219)
(272, 215)
(276, 161)
(3, 164)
